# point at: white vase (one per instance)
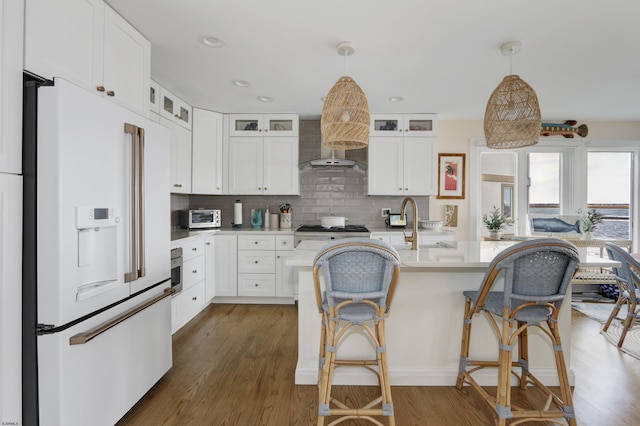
(494, 234)
(588, 235)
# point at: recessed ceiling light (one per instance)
(212, 41)
(396, 99)
(265, 98)
(241, 83)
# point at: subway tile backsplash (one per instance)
(342, 192)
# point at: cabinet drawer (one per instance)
(257, 261)
(193, 272)
(186, 305)
(191, 249)
(284, 242)
(263, 285)
(256, 242)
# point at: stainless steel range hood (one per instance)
(332, 159)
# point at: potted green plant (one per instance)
(589, 220)
(495, 222)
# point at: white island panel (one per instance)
(424, 325)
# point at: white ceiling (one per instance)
(582, 57)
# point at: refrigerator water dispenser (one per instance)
(97, 251)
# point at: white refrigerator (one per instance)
(99, 238)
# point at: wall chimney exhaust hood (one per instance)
(332, 159)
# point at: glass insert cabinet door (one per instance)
(263, 125)
(404, 124)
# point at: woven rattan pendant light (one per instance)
(345, 115)
(512, 118)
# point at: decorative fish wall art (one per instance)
(566, 129)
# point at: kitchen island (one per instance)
(424, 325)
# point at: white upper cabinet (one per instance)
(88, 43)
(175, 109)
(263, 163)
(154, 97)
(403, 162)
(261, 125)
(180, 157)
(412, 125)
(206, 172)
(11, 19)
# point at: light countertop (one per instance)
(442, 255)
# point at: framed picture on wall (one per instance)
(451, 176)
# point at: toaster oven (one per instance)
(201, 218)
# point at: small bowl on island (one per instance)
(434, 225)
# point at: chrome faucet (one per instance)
(414, 237)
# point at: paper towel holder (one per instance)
(237, 215)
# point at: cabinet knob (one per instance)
(256, 262)
(194, 298)
(111, 93)
(100, 89)
(208, 243)
(177, 185)
(277, 257)
(255, 285)
(406, 189)
(255, 242)
(399, 189)
(195, 271)
(194, 248)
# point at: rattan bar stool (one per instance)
(536, 276)
(359, 277)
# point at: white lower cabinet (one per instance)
(191, 300)
(284, 274)
(259, 261)
(209, 268)
(226, 265)
(186, 305)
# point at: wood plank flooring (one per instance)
(234, 365)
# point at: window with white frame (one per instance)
(558, 177)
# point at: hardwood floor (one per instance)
(234, 365)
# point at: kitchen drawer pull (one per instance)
(177, 185)
(82, 338)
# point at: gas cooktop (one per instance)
(320, 228)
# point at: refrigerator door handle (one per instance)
(141, 206)
(138, 267)
(84, 337)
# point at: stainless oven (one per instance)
(176, 269)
